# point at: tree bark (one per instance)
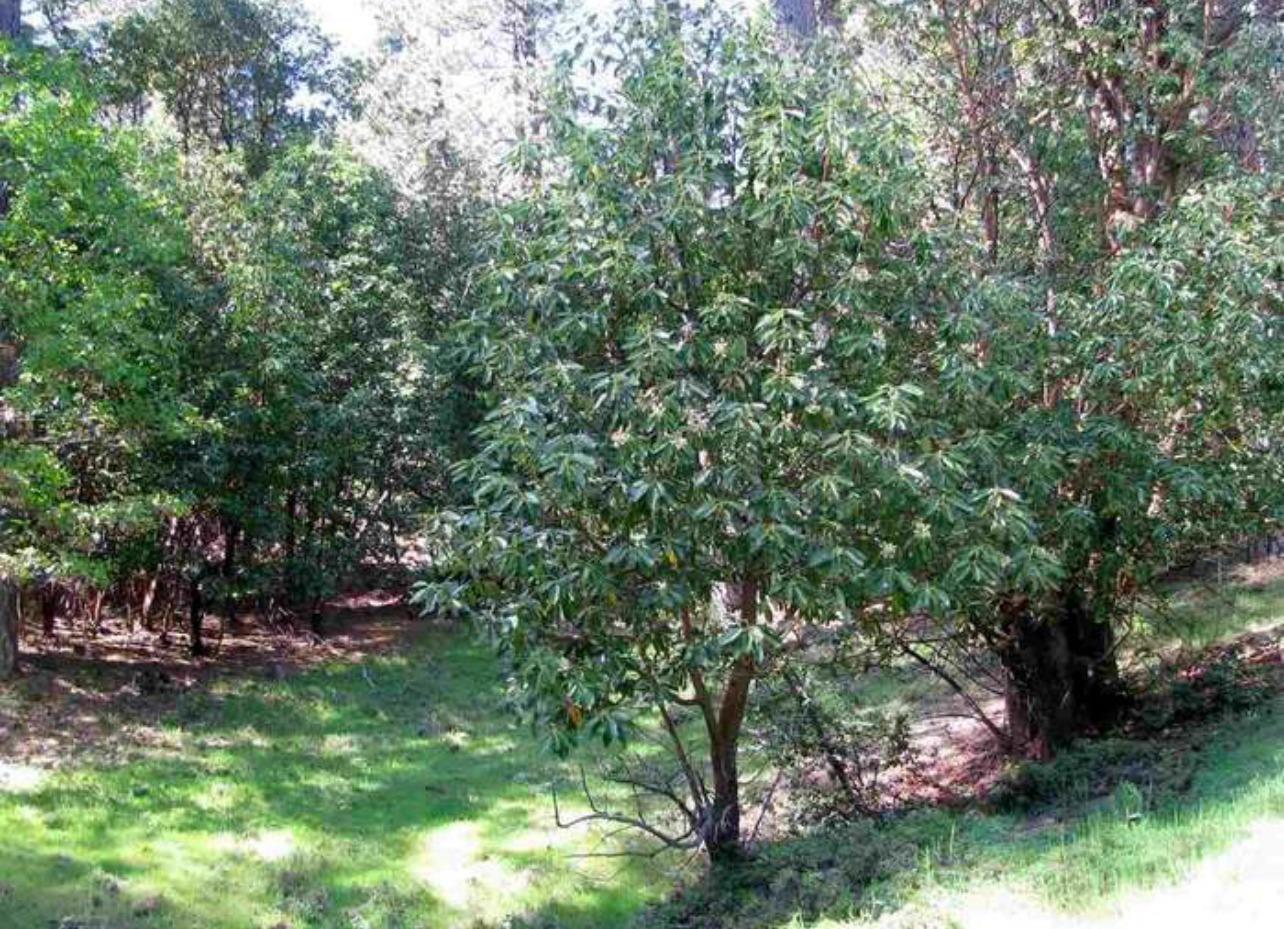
(10, 19)
(195, 618)
(48, 608)
(231, 534)
(10, 621)
(1062, 676)
(720, 825)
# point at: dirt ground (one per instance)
(105, 694)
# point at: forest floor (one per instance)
(375, 779)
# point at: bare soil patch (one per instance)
(106, 695)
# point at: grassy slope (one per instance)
(1086, 834)
(394, 796)
(401, 796)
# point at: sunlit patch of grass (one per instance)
(398, 796)
(1199, 615)
(1101, 832)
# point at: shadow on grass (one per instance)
(390, 794)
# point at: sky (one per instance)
(351, 22)
(348, 21)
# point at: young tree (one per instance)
(691, 335)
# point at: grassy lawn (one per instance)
(398, 793)
(392, 794)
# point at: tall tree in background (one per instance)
(235, 75)
(10, 28)
(10, 19)
(453, 84)
(805, 18)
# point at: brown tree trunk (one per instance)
(720, 829)
(1062, 677)
(720, 826)
(48, 609)
(231, 535)
(10, 622)
(195, 618)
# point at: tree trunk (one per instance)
(720, 828)
(10, 19)
(720, 822)
(990, 203)
(232, 531)
(48, 609)
(195, 618)
(10, 622)
(1062, 677)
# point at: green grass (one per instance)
(1076, 856)
(400, 795)
(1201, 614)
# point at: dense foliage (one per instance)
(936, 332)
(750, 401)
(223, 389)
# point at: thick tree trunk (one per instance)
(10, 622)
(720, 829)
(1062, 677)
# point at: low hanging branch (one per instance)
(937, 668)
(687, 840)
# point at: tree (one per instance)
(10, 19)
(318, 377)
(691, 336)
(10, 28)
(805, 17)
(1081, 212)
(235, 75)
(88, 283)
(455, 83)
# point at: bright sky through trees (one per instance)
(349, 21)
